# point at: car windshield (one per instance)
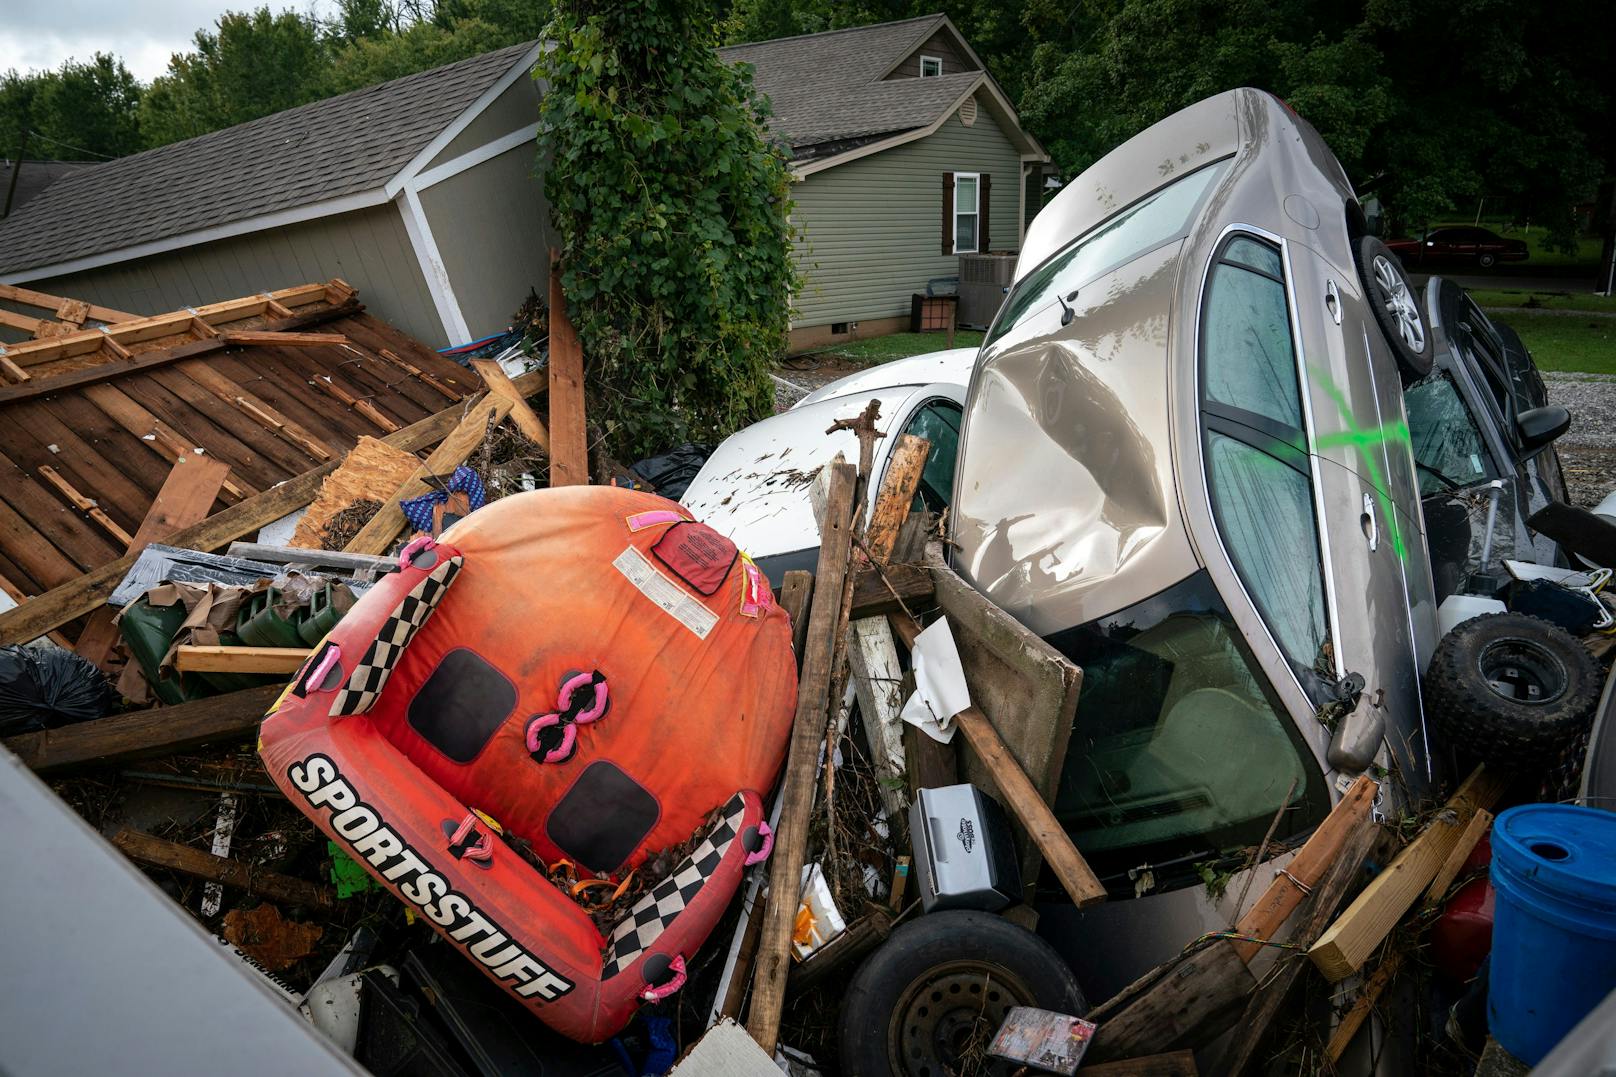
(1180, 751)
(1447, 446)
(1146, 224)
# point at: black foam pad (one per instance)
(460, 706)
(603, 818)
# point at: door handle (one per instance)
(1332, 301)
(1371, 527)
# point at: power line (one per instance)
(70, 146)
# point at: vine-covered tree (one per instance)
(672, 208)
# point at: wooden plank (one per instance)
(1344, 948)
(82, 544)
(18, 595)
(371, 468)
(1027, 689)
(861, 936)
(27, 324)
(1276, 904)
(1027, 804)
(526, 420)
(1172, 1064)
(166, 442)
(251, 337)
(195, 658)
(155, 852)
(1364, 1004)
(45, 301)
(377, 536)
(74, 312)
(255, 454)
(569, 449)
(873, 661)
(897, 493)
(329, 386)
(185, 499)
(1474, 831)
(1189, 1004)
(157, 731)
(795, 591)
(892, 588)
(233, 393)
(418, 373)
(79, 596)
(802, 763)
(84, 504)
(12, 371)
(1266, 1005)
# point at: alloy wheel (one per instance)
(1395, 297)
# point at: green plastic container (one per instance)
(259, 625)
(149, 631)
(323, 615)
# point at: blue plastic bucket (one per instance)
(1554, 925)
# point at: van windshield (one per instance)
(1143, 226)
(1180, 752)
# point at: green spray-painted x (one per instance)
(1370, 446)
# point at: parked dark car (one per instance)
(1462, 243)
(1482, 414)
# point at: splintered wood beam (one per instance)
(84, 504)
(291, 340)
(79, 596)
(569, 449)
(897, 495)
(231, 392)
(156, 731)
(13, 371)
(892, 589)
(197, 658)
(526, 420)
(411, 368)
(377, 536)
(29, 297)
(362, 407)
(773, 960)
(155, 852)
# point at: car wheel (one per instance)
(1510, 689)
(928, 1002)
(1397, 308)
(1487, 261)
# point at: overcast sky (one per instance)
(40, 34)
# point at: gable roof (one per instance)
(831, 94)
(324, 150)
(34, 178)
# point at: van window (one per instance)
(1180, 751)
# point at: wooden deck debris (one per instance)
(569, 448)
(197, 658)
(371, 468)
(155, 852)
(525, 418)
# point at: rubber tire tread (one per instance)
(1411, 365)
(1468, 715)
(937, 939)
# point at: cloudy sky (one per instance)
(38, 34)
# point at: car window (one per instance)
(1180, 750)
(1141, 227)
(1447, 445)
(939, 423)
(1247, 358)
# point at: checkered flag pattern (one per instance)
(369, 677)
(652, 914)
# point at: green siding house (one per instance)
(907, 155)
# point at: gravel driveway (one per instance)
(1588, 449)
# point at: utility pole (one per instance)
(16, 170)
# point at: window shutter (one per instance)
(984, 188)
(948, 213)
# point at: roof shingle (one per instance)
(319, 151)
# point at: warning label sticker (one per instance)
(672, 598)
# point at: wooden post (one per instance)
(569, 444)
(146, 849)
(808, 732)
(522, 415)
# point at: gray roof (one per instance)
(34, 178)
(828, 87)
(339, 146)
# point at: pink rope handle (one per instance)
(655, 993)
(583, 680)
(483, 850)
(415, 546)
(317, 677)
(768, 846)
(641, 520)
(562, 751)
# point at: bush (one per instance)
(672, 210)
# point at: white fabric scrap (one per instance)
(940, 689)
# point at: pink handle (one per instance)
(581, 680)
(657, 994)
(317, 678)
(415, 546)
(483, 850)
(569, 736)
(641, 520)
(768, 846)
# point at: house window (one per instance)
(967, 215)
(931, 67)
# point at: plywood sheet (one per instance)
(374, 466)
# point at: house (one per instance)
(418, 192)
(906, 153)
(421, 192)
(23, 181)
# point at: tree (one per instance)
(420, 46)
(80, 111)
(672, 209)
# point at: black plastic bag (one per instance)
(672, 472)
(49, 687)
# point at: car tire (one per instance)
(1397, 308)
(1511, 690)
(938, 979)
(1486, 261)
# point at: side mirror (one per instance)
(1539, 427)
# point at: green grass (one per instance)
(1560, 342)
(1508, 300)
(1537, 240)
(876, 350)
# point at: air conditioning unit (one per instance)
(983, 281)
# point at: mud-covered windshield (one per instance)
(1180, 751)
(1146, 224)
